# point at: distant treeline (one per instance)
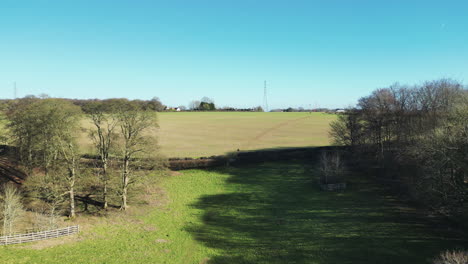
(301, 109)
(232, 109)
(108, 104)
(155, 104)
(416, 136)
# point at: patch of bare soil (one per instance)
(175, 173)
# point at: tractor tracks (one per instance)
(270, 129)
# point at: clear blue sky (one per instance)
(327, 53)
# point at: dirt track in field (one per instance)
(270, 129)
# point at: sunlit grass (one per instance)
(196, 134)
(268, 213)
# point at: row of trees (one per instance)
(154, 104)
(420, 133)
(45, 133)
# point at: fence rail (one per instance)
(36, 236)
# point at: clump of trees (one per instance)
(418, 134)
(45, 135)
(205, 104)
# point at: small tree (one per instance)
(48, 188)
(11, 207)
(331, 168)
(3, 129)
(258, 109)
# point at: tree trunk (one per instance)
(104, 172)
(72, 188)
(72, 201)
(125, 175)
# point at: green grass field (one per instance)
(197, 134)
(267, 213)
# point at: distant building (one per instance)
(177, 109)
(340, 111)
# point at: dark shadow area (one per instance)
(9, 171)
(276, 213)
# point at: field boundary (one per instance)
(254, 156)
(37, 236)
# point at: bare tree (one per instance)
(70, 157)
(103, 136)
(346, 130)
(419, 135)
(134, 129)
(194, 105)
(208, 100)
(331, 168)
(11, 207)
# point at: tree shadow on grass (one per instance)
(275, 213)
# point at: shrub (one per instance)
(11, 206)
(331, 168)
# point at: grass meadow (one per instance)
(267, 213)
(198, 134)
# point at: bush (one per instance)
(11, 207)
(331, 168)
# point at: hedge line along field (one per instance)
(263, 213)
(198, 134)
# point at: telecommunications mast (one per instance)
(265, 99)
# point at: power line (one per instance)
(14, 90)
(265, 98)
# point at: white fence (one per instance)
(30, 237)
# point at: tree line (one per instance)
(153, 104)
(418, 135)
(45, 134)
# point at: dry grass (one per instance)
(214, 133)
